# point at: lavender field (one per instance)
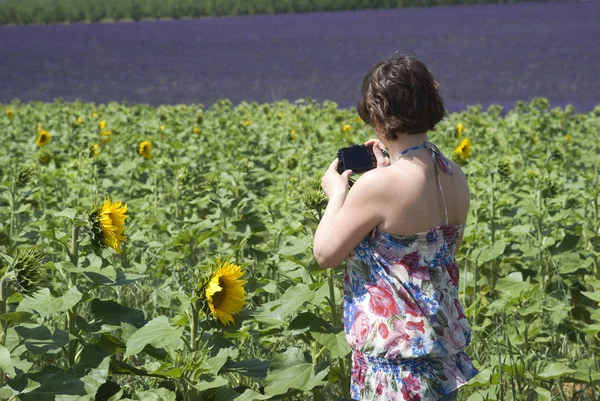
(479, 54)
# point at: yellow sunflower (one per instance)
(196, 130)
(535, 140)
(247, 123)
(358, 119)
(94, 150)
(145, 150)
(293, 135)
(225, 292)
(43, 138)
(102, 125)
(280, 115)
(94, 115)
(568, 138)
(459, 130)
(106, 137)
(79, 120)
(10, 113)
(347, 128)
(464, 149)
(110, 224)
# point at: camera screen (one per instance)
(358, 159)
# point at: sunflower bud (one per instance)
(503, 169)
(99, 165)
(314, 199)
(28, 271)
(549, 187)
(292, 164)
(44, 158)
(200, 119)
(557, 154)
(25, 173)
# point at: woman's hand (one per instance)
(334, 183)
(379, 149)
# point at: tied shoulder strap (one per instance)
(438, 158)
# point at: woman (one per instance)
(398, 229)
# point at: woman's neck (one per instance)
(395, 148)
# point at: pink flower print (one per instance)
(411, 308)
(359, 369)
(420, 273)
(449, 233)
(381, 385)
(409, 396)
(382, 302)
(416, 326)
(360, 328)
(459, 309)
(411, 383)
(454, 273)
(383, 330)
(411, 260)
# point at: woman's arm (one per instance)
(349, 216)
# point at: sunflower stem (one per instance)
(194, 326)
(3, 323)
(11, 229)
(334, 318)
(71, 314)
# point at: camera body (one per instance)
(358, 158)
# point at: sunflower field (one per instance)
(166, 253)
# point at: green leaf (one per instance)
(594, 296)
(68, 213)
(40, 340)
(6, 363)
(158, 333)
(335, 343)
(45, 304)
(216, 362)
(18, 317)
(161, 394)
(47, 385)
(543, 394)
(291, 301)
(554, 370)
(290, 370)
(491, 254)
(114, 314)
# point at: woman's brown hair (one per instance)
(400, 96)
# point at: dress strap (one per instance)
(438, 158)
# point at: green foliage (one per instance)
(130, 325)
(23, 12)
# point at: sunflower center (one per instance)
(219, 297)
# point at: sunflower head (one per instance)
(102, 125)
(358, 119)
(464, 149)
(247, 123)
(106, 137)
(28, 271)
(79, 120)
(568, 137)
(108, 225)
(145, 150)
(196, 130)
(223, 292)
(459, 130)
(280, 115)
(43, 138)
(94, 150)
(347, 128)
(94, 115)
(292, 135)
(10, 113)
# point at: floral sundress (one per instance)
(402, 315)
